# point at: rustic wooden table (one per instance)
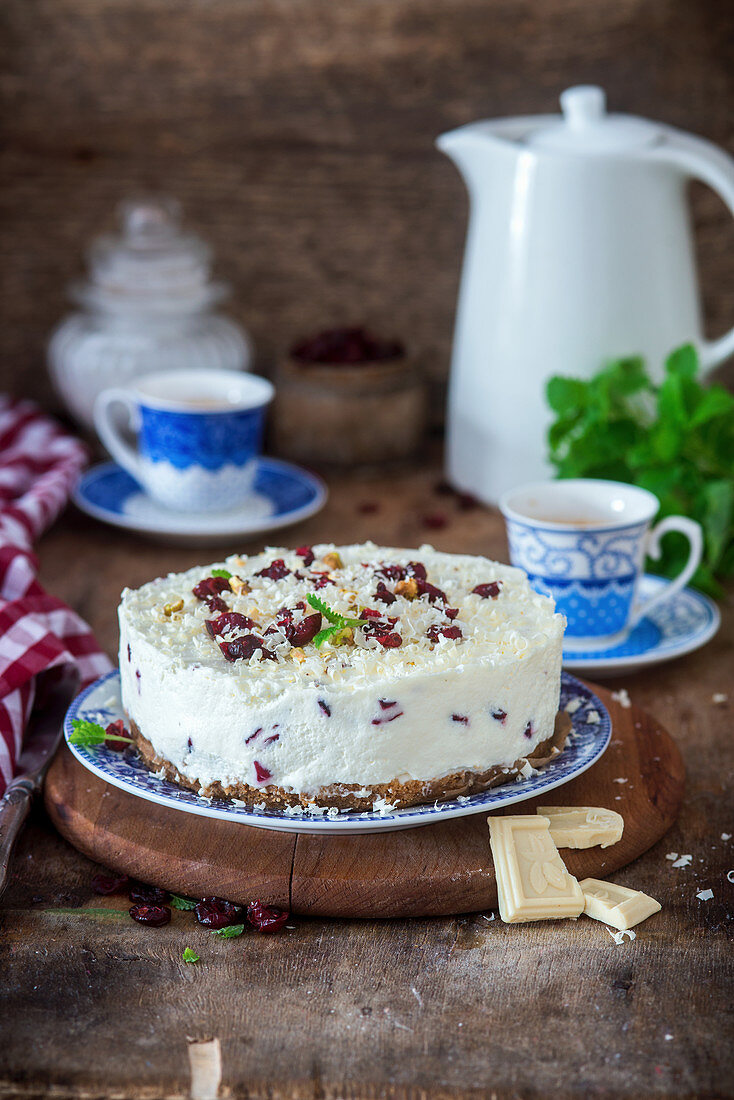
(94, 1005)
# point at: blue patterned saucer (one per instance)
(589, 737)
(673, 628)
(283, 494)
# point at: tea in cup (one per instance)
(199, 433)
(583, 542)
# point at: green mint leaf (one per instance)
(86, 733)
(189, 955)
(221, 573)
(329, 615)
(177, 902)
(229, 932)
(325, 634)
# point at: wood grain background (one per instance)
(298, 135)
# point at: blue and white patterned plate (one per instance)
(678, 626)
(101, 703)
(283, 494)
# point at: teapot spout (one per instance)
(470, 147)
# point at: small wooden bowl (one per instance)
(348, 414)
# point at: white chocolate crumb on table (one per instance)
(583, 826)
(532, 881)
(616, 905)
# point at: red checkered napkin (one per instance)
(39, 464)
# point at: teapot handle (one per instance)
(701, 160)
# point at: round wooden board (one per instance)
(433, 870)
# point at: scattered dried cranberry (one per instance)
(346, 345)
(240, 649)
(112, 736)
(154, 915)
(252, 736)
(368, 507)
(228, 620)
(460, 718)
(467, 502)
(389, 641)
(425, 588)
(435, 521)
(109, 884)
(261, 773)
(210, 586)
(269, 740)
(528, 731)
(275, 571)
(451, 612)
(320, 580)
(436, 631)
(215, 912)
(304, 631)
(266, 918)
(487, 591)
(148, 895)
(216, 603)
(500, 715)
(325, 708)
(386, 704)
(129, 655)
(307, 554)
(370, 613)
(384, 594)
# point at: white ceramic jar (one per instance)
(147, 306)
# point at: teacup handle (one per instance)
(694, 534)
(109, 433)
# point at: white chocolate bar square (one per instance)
(617, 905)
(532, 881)
(583, 826)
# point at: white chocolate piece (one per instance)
(532, 882)
(617, 905)
(583, 826)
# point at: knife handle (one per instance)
(14, 807)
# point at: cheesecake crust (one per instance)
(344, 795)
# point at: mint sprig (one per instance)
(675, 438)
(229, 932)
(177, 902)
(88, 733)
(221, 573)
(341, 625)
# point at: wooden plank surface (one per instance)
(440, 869)
(299, 136)
(95, 1006)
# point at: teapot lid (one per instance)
(585, 126)
(151, 265)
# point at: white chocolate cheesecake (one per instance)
(341, 675)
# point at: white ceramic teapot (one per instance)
(579, 251)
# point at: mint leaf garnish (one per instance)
(229, 932)
(221, 573)
(182, 903)
(86, 733)
(675, 438)
(338, 631)
(189, 955)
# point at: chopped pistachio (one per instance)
(238, 586)
(171, 608)
(297, 654)
(407, 588)
(332, 560)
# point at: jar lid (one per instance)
(152, 265)
(585, 126)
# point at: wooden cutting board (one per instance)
(436, 869)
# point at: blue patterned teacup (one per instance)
(583, 542)
(199, 433)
